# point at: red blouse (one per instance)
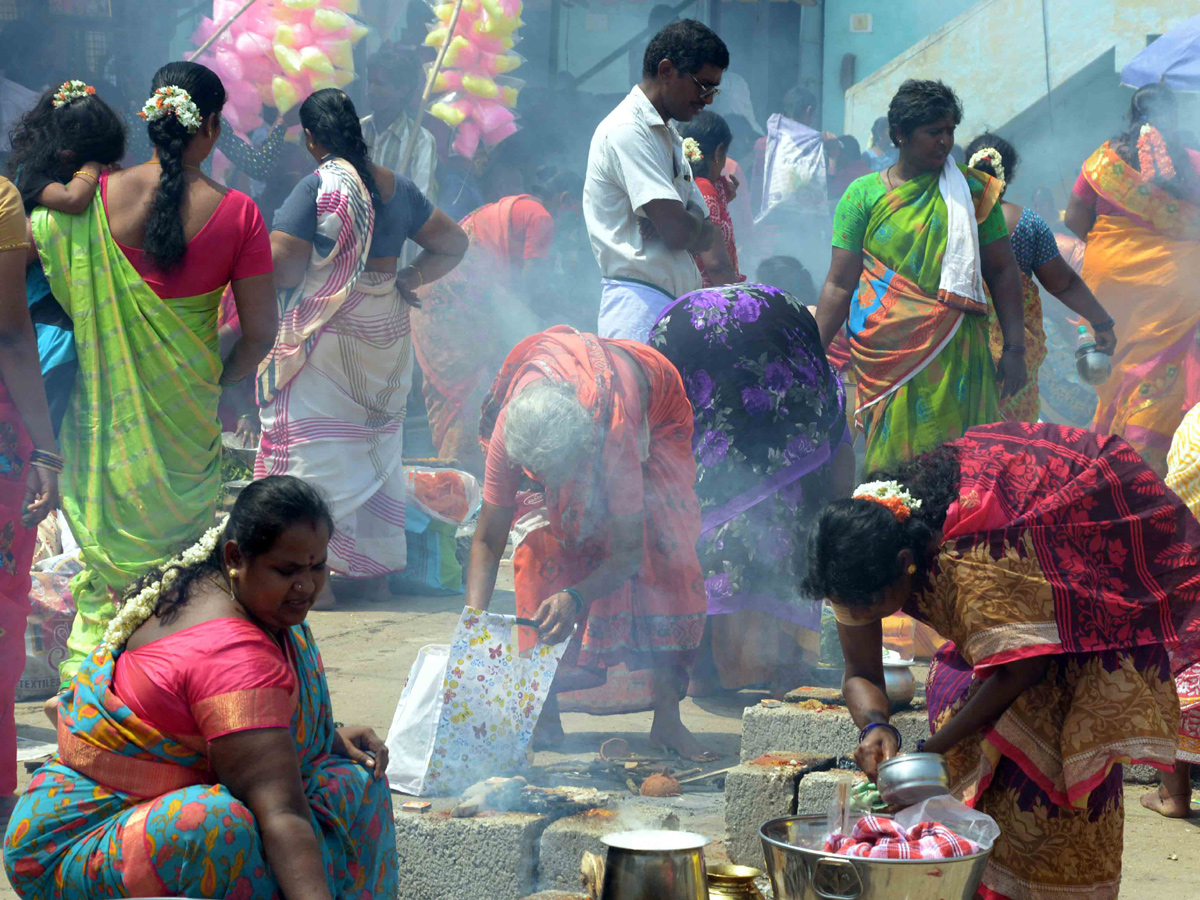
(232, 244)
(716, 196)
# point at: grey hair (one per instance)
(549, 433)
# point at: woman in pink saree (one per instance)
(198, 756)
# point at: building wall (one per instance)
(898, 26)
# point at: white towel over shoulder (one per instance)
(961, 284)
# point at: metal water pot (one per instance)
(655, 865)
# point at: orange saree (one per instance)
(657, 618)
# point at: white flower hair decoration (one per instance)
(890, 494)
(173, 101)
(992, 155)
(136, 610)
(72, 90)
(691, 149)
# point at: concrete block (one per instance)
(1142, 774)
(817, 790)
(754, 794)
(489, 857)
(564, 843)
(829, 731)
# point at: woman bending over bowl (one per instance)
(1060, 568)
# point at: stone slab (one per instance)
(754, 794)
(830, 731)
(817, 790)
(564, 843)
(488, 857)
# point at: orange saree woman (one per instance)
(567, 536)
(1142, 261)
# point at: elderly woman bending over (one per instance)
(589, 460)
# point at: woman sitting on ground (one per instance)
(198, 756)
(605, 526)
(1060, 568)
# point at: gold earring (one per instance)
(912, 570)
(232, 574)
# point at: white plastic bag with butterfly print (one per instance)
(468, 710)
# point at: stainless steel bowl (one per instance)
(900, 684)
(909, 778)
(801, 870)
(655, 865)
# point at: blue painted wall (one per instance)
(898, 25)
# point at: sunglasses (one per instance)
(706, 90)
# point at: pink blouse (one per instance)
(232, 244)
(211, 679)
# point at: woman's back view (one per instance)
(141, 273)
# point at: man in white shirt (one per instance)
(644, 214)
(395, 79)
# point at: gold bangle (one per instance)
(44, 459)
(420, 275)
(86, 174)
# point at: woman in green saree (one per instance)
(141, 272)
(913, 246)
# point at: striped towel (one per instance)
(879, 838)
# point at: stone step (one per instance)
(830, 731)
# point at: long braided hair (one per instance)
(330, 117)
(164, 242)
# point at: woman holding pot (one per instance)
(994, 539)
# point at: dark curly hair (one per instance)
(165, 243)
(264, 510)
(330, 117)
(854, 545)
(1158, 105)
(689, 45)
(53, 143)
(919, 103)
(1009, 157)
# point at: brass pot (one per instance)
(730, 882)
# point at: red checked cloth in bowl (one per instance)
(880, 838)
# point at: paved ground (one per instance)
(368, 649)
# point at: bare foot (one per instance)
(1171, 806)
(677, 739)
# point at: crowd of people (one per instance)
(676, 477)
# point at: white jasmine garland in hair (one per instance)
(889, 494)
(691, 149)
(138, 609)
(173, 101)
(992, 155)
(72, 90)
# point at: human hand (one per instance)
(879, 744)
(1011, 373)
(362, 745)
(646, 227)
(41, 495)
(408, 296)
(1106, 339)
(247, 432)
(556, 618)
(731, 187)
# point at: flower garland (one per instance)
(691, 150)
(136, 610)
(891, 495)
(992, 155)
(173, 101)
(1153, 155)
(72, 90)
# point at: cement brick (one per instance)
(754, 794)
(1142, 775)
(830, 731)
(564, 843)
(489, 857)
(817, 789)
